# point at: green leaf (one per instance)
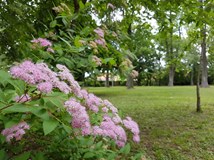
(7, 96)
(11, 123)
(69, 45)
(2, 117)
(109, 60)
(89, 155)
(76, 41)
(99, 144)
(125, 149)
(111, 156)
(3, 155)
(2, 97)
(74, 49)
(2, 29)
(18, 85)
(49, 125)
(4, 77)
(86, 31)
(67, 129)
(53, 24)
(82, 6)
(138, 156)
(86, 141)
(40, 112)
(22, 108)
(23, 156)
(55, 101)
(45, 55)
(39, 156)
(65, 22)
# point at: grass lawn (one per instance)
(170, 127)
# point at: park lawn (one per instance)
(170, 127)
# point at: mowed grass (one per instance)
(170, 127)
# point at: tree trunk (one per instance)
(171, 76)
(107, 78)
(76, 6)
(204, 63)
(95, 81)
(171, 57)
(192, 77)
(130, 82)
(198, 104)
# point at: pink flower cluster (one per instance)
(80, 105)
(39, 75)
(100, 41)
(44, 43)
(16, 131)
(80, 118)
(111, 126)
(111, 129)
(97, 60)
(100, 32)
(132, 125)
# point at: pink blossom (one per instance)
(80, 118)
(97, 130)
(45, 79)
(45, 87)
(93, 102)
(136, 138)
(65, 74)
(101, 42)
(83, 94)
(16, 131)
(50, 50)
(42, 41)
(117, 119)
(62, 86)
(120, 143)
(40, 75)
(105, 109)
(35, 41)
(97, 60)
(24, 72)
(110, 106)
(99, 31)
(110, 129)
(133, 127)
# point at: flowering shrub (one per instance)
(42, 42)
(73, 121)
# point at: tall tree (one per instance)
(204, 63)
(167, 15)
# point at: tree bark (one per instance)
(107, 78)
(171, 76)
(204, 63)
(171, 57)
(76, 6)
(192, 77)
(198, 104)
(129, 82)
